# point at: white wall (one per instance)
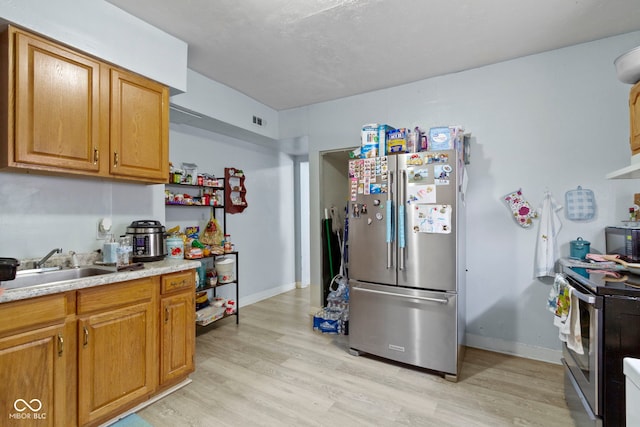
(103, 30)
(550, 121)
(264, 233)
(237, 109)
(305, 272)
(38, 213)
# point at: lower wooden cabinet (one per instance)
(117, 347)
(35, 357)
(177, 327)
(36, 397)
(83, 357)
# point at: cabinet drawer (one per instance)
(30, 313)
(178, 281)
(117, 294)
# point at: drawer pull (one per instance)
(177, 284)
(60, 345)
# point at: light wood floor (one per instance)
(274, 370)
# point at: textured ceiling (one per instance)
(290, 53)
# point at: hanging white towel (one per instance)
(569, 326)
(574, 338)
(546, 244)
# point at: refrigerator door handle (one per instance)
(401, 213)
(389, 223)
(438, 300)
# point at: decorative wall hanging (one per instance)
(235, 191)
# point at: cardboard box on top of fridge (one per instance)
(383, 135)
(444, 137)
(374, 140)
(397, 141)
(370, 142)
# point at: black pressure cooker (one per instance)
(149, 240)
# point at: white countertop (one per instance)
(150, 269)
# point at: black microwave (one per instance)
(624, 241)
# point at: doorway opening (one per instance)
(334, 198)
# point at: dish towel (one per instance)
(570, 331)
(566, 308)
(546, 245)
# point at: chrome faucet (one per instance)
(39, 264)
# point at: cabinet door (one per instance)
(32, 375)
(177, 336)
(57, 124)
(116, 360)
(139, 114)
(634, 113)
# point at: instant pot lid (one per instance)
(146, 226)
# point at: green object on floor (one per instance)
(132, 420)
(327, 227)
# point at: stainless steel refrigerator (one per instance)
(406, 260)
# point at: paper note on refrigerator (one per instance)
(421, 193)
(432, 218)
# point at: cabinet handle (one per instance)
(96, 156)
(85, 341)
(115, 159)
(166, 314)
(177, 284)
(60, 345)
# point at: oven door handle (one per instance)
(589, 299)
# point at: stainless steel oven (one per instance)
(595, 381)
(583, 372)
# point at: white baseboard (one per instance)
(272, 292)
(513, 348)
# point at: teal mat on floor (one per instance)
(132, 420)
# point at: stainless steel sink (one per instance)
(36, 277)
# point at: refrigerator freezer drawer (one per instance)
(406, 325)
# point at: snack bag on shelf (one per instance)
(213, 234)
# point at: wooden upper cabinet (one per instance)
(65, 112)
(139, 113)
(56, 106)
(634, 113)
